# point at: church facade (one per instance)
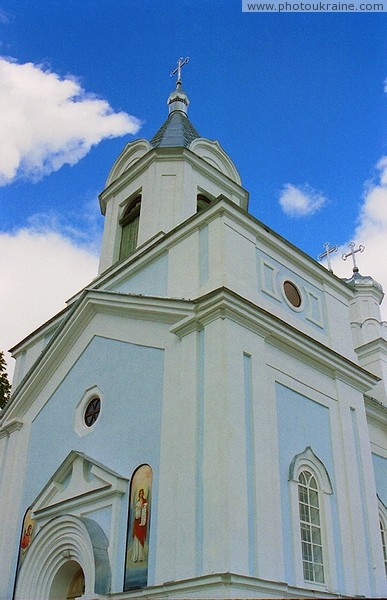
(208, 418)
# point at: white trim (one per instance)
(64, 539)
(311, 296)
(308, 460)
(300, 291)
(272, 292)
(79, 421)
(383, 520)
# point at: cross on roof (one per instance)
(352, 253)
(327, 253)
(180, 63)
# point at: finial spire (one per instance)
(178, 99)
(327, 253)
(352, 253)
(180, 63)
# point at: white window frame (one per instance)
(79, 422)
(308, 461)
(383, 522)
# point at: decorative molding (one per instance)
(224, 303)
(64, 539)
(308, 459)
(213, 153)
(10, 428)
(79, 480)
(231, 585)
(79, 418)
(130, 155)
(376, 412)
(267, 268)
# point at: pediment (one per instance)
(130, 155)
(213, 153)
(79, 479)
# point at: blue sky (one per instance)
(298, 101)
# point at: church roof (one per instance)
(176, 131)
(358, 281)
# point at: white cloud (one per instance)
(83, 227)
(300, 201)
(370, 232)
(40, 270)
(47, 121)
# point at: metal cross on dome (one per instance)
(352, 253)
(327, 253)
(180, 63)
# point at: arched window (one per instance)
(383, 530)
(310, 491)
(129, 225)
(310, 527)
(202, 202)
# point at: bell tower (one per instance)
(155, 185)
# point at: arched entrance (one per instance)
(68, 583)
(68, 558)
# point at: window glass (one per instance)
(92, 411)
(292, 294)
(129, 225)
(311, 538)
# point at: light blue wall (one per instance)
(127, 433)
(380, 470)
(151, 280)
(302, 423)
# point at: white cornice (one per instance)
(376, 411)
(167, 154)
(226, 304)
(44, 330)
(220, 208)
(12, 426)
(369, 348)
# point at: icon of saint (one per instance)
(140, 527)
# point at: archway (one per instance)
(67, 554)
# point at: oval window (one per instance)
(92, 412)
(292, 294)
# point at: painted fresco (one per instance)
(27, 534)
(137, 547)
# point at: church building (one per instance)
(208, 417)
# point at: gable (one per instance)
(129, 318)
(78, 480)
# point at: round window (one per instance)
(292, 294)
(92, 412)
